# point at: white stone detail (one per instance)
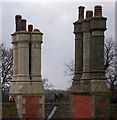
(23, 101)
(23, 111)
(41, 100)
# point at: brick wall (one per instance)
(31, 106)
(82, 106)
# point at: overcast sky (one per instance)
(55, 20)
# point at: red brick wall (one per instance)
(102, 104)
(82, 106)
(101, 115)
(32, 107)
(16, 101)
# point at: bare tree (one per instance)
(109, 54)
(46, 84)
(109, 65)
(70, 68)
(6, 68)
(7, 71)
(111, 76)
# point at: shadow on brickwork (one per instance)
(60, 99)
(113, 107)
(9, 109)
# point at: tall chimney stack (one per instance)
(90, 97)
(26, 86)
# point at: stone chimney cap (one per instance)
(23, 20)
(18, 16)
(89, 11)
(81, 7)
(98, 6)
(36, 30)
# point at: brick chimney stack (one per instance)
(89, 92)
(26, 86)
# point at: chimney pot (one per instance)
(30, 28)
(98, 10)
(18, 22)
(18, 18)
(89, 13)
(23, 24)
(81, 12)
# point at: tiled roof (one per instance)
(9, 110)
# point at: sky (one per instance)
(55, 20)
